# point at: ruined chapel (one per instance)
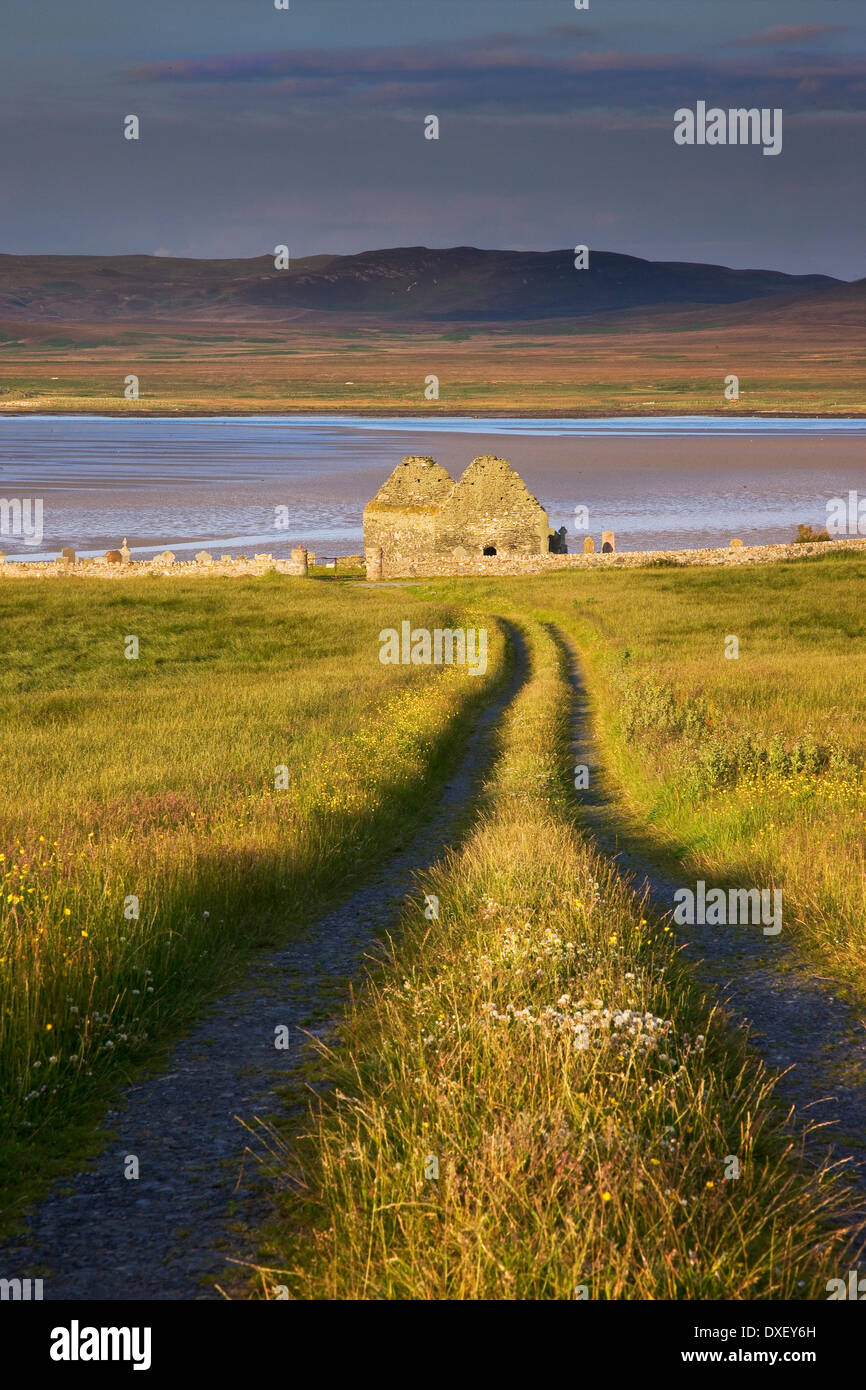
(422, 518)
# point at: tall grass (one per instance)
(529, 1099)
(751, 768)
(161, 818)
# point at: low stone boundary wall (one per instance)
(135, 569)
(422, 567)
(441, 566)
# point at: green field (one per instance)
(541, 1040)
(155, 779)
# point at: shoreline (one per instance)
(301, 412)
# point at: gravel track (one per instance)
(167, 1234)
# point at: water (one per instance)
(187, 484)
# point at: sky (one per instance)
(305, 127)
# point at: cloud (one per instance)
(523, 77)
(788, 33)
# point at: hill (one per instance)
(459, 284)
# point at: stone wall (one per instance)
(432, 566)
(401, 517)
(429, 566)
(164, 564)
(491, 506)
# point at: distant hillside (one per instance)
(461, 284)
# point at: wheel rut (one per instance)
(808, 1036)
(167, 1234)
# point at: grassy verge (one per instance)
(748, 769)
(530, 1100)
(162, 816)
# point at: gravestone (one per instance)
(557, 543)
(125, 553)
(67, 555)
(607, 541)
(204, 557)
(114, 557)
(588, 546)
(736, 544)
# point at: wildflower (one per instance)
(67, 912)
(606, 1197)
(711, 1184)
(84, 933)
(48, 1027)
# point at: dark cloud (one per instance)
(524, 76)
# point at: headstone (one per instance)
(225, 559)
(373, 560)
(311, 558)
(736, 544)
(113, 557)
(607, 541)
(67, 555)
(2, 557)
(125, 552)
(588, 545)
(165, 558)
(557, 543)
(204, 557)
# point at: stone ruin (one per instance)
(421, 516)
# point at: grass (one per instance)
(750, 770)
(632, 367)
(162, 817)
(529, 1099)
